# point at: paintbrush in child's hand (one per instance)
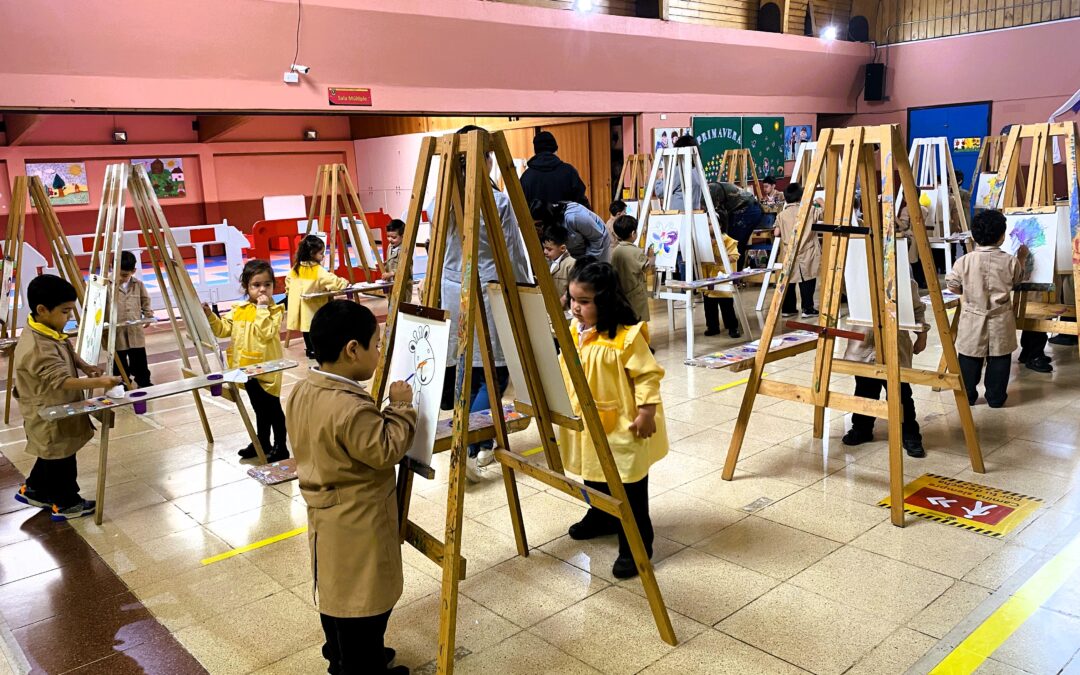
(407, 380)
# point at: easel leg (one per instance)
(689, 325)
(202, 417)
(103, 462)
(819, 422)
(455, 501)
(259, 450)
(648, 576)
(514, 502)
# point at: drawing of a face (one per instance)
(423, 361)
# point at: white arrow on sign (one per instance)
(941, 501)
(979, 509)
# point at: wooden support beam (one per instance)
(833, 399)
(429, 546)
(18, 127)
(605, 503)
(214, 127)
(928, 378)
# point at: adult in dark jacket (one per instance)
(548, 178)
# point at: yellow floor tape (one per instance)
(251, 547)
(736, 383)
(992, 633)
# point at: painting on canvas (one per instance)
(801, 133)
(764, 138)
(662, 236)
(421, 341)
(983, 189)
(93, 319)
(65, 182)
(166, 175)
(1038, 232)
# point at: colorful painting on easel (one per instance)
(800, 133)
(65, 182)
(663, 238)
(1038, 232)
(166, 175)
(93, 319)
(419, 358)
(764, 138)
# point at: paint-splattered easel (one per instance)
(464, 196)
(842, 159)
(1038, 198)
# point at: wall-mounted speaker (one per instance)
(874, 90)
(647, 9)
(858, 29)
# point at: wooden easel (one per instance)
(687, 162)
(463, 196)
(803, 153)
(632, 186)
(123, 181)
(737, 166)
(844, 156)
(1038, 198)
(989, 162)
(29, 188)
(931, 162)
(334, 191)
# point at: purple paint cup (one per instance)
(139, 406)
(215, 390)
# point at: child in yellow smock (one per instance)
(624, 379)
(254, 326)
(308, 276)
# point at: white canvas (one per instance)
(632, 208)
(857, 285)
(1039, 233)
(420, 350)
(703, 251)
(1064, 242)
(543, 348)
(279, 207)
(93, 319)
(7, 269)
(664, 236)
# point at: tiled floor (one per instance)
(813, 578)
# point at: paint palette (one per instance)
(715, 281)
(361, 287)
(745, 353)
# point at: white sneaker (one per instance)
(477, 473)
(485, 456)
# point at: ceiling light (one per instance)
(311, 135)
(584, 6)
(829, 33)
(119, 137)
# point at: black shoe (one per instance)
(1040, 364)
(624, 568)
(398, 670)
(709, 332)
(31, 498)
(1063, 339)
(997, 404)
(1023, 358)
(787, 315)
(309, 353)
(248, 452)
(857, 437)
(809, 313)
(734, 332)
(592, 527)
(389, 655)
(278, 454)
(914, 448)
(84, 508)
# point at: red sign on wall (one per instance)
(349, 96)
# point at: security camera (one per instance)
(296, 67)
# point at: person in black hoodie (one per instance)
(548, 178)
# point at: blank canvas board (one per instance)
(543, 347)
(421, 343)
(279, 207)
(703, 252)
(7, 269)
(857, 285)
(93, 319)
(1065, 238)
(1037, 231)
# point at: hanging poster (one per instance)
(802, 133)
(93, 319)
(1038, 232)
(715, 135)
(166, 175)
(421, 341)
(65, 182)
(665, 137)
(764, 138)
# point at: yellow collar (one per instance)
(45, 330)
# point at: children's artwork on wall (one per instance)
(800, 133)
(663, 236)
(541, 347)
(665, 137)
(1038, 232)
(764, 138)
(715, 135)
(421, 341)
(65, 182)
(93, 319)
(166, 175)
(857, 286)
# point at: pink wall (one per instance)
(503, 59)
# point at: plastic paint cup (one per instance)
(139, 406)
(215, 390)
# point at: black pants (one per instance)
(268, 415)
(56, 481)
(134, 362)
(638, 496)
(714, 308)
(997, 377)
(806, 293)
(354, 646)
(918, 274)
(309, 349)
(1032, 343)
(870, 387)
